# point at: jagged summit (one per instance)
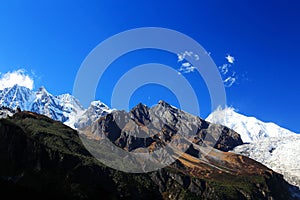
(140, 113)
(16, 97)
(95, 110)
(139, 106)
(42, 89)
(99, 104)
(164, 103)
(172, 121)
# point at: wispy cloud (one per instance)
(208, 53)
(186, 67)
(224, 68)
(19, 77)
(229, 81)
(184, 55)
(230, 59)
(228, 74)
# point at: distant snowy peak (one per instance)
(16, 97)
(250, 128)
(70, 103)
(99, 107)
(96, 110)
(61, 108)
(65, 108)
(42, 92)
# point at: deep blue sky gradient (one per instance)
(52, 38)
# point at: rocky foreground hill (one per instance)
(42, 158)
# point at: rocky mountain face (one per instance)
(163, 123)
(269, 144)
(42, 158)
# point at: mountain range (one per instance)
(64, 108)
(45, 159)
(266, 143)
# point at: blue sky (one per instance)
(50, 40)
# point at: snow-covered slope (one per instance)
(49, 105)
(95, 110)
(250, 128)
(6, 112)
(72, 109)
(17, 96)
(64, 108)
(282, 154)
(269, 144)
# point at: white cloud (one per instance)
(182, 56)
(186, 68)
(186, 64)
(229, 81)
(230, 59)
(228, 75)
(189, 53)
(208, 53)
(18, 77)
(224, 69)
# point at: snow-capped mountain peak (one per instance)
(99, 106)
(16, 97)
(250, 128)
(42, 89)
(94, 111)
(70, 103)
(42, 92)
